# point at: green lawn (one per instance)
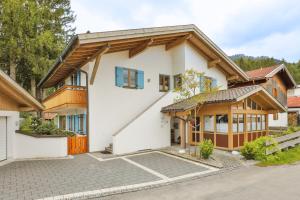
(286, 157)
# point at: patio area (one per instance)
(87, 176)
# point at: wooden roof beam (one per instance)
(102, 51)
(140, 48)
(233, 78)
(178, 41)
(213, 63)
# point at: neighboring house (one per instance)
(125, 87)
(13, 99)
(277, 80)
(294, 106)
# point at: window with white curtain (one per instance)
(209, 123)
(253, 124)
(241, 123)
(222, 123)
(263, 122)
(248, 122)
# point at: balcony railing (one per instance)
(67, 97)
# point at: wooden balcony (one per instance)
(67, 97)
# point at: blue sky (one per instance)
(252, 27)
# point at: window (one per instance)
(259, 122)
(75, 79)
(275, 116)
(62, 122)
(207, 83)
(81, 123)
(209, 123)
(197, 125)
(253, 105)
(164, 83)
(253, 124)
(71, 123)
(129, 77)
(238, 123)
(241, 123)
(248, 103)
(222, 123)
(263, 122)
(177, 81)
(248, 122)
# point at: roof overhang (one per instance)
(19, 95)
(289, 78)
(83, 48)
(258, 92)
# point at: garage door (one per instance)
(3, 139)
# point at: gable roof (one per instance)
(10, 88)
(222, 96)
(261, 72)
(294, 102)
(268, 72)
(85, 47)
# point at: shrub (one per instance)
(37, 126)
(206, 148)
(257, 149)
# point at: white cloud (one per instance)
(278, 45)
(88, 20)
(232, 24)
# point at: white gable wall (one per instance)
(112, 107)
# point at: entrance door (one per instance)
(3, 139)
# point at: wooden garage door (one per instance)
(3, 139)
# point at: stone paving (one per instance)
(85, 175)
(167, 166)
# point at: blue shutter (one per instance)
(78, 78)
(201, 83)
(140, 79)
(84, 123)
(76, 123)
(73, 122)
(119, 76)
(214, 83)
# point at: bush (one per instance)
(257, 149)
(36, 126)
(206, 148)
(291, 129)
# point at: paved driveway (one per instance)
(86, 175)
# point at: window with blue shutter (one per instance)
(76, 122)
(213, 83)
(140, 79)
(78, 78)
(119, 76)
(84, 123)
(201, 83)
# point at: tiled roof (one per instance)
(220, 96)
(261, 72)
(294, 102)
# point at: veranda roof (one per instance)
(223, 96)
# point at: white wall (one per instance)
(282, 120)
(12, 126)
(32, 147)
(294, 92)
(193, 60)
(111, 107)
(150, 131)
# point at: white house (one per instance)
(127, 77)
(13, 99)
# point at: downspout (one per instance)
(87, 109)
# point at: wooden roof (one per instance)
(10, 89)
(268, 72)
(224, 96)
(83, 48)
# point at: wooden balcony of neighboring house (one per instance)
(65, 98)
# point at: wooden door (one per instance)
(77, 145)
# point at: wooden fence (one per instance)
(284, 142)
(77, 145)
